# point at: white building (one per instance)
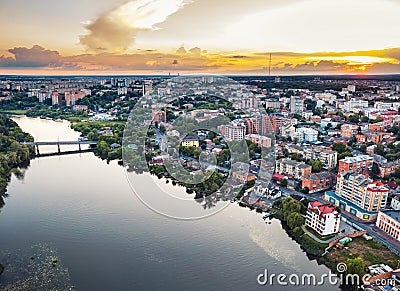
(395, 203)
(305, 134)
(326, 121)
(351, 88)
(353, 104)
(388, 221)
(296, 105)
(387, 106)
(323, 218)
(233, 132)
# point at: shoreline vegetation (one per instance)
(357, 254)
(13, 155)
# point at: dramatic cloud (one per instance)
(36, 56)
(197, 60)
(116, 30)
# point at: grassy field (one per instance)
(371, 252)
(318, 235)
(15, 112)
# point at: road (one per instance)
(162, 140)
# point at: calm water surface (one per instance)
(83, 209)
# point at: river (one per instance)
(82, 211)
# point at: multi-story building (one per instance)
(190, 141)
(122, 90)
(288, 130)
(387, 106)
(359, 195)
(321, 153)
(353, 104)
(42, 96)
(355, 164)
(386, 169)
(296, 105)
(274, 123)
(273, 104)
(323, 218)
(159, 116)
(71, 96)
(250, 102)
(260, 140)
(351, 88)
(389, 222)
(328, 158)
(253, 125)
(305, 134)
(243, 176)
(349, 130)
(233, 132)
(56, 99)
(293, 169)
(318, 181)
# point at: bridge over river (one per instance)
(36, 144)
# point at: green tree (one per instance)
(380, 149)
(375, 170)
(298, 231)
(283, 182)
(355, 266)
(353, 119)
(339, 147)
(294, 220)
(93, 135)
(102, 149)
(316, 166)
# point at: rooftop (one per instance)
(395, 214)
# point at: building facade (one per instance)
(359, 196)
(261, 141)
(323, 218)
(233, 132)
(389, 222)
(355, 164)
(318, 181)
(292, 169)
(296, 105)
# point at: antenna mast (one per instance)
(269, 67)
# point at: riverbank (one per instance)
(358, 253)
(13, 155)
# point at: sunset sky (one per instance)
(199, 36)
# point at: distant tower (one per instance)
(269, 67)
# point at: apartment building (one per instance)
(318, 181)
(323, 218)
(355, 164)
(359, 195)
(296, 105)
(233, 132)
(327, 157)
(260, 140)
(389, 222)
(292, 169)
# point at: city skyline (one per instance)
(181, 36)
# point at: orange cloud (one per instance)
(198, 60)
